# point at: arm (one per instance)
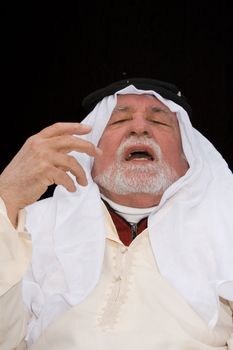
(43, 160)
(15, 251)
(230, 340)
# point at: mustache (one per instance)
(142, 140)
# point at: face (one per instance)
(142, 151)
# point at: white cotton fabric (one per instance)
(132, 215)
(191, 230)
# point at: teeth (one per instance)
(139, 155)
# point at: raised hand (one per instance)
(42, 161)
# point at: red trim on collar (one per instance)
(124, 228)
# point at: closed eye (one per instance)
(159, 122)
(120, 121)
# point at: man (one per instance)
(134, 249)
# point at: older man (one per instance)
(134, 249)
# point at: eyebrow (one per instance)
(121, 108)
(166, 111)
(159, 109)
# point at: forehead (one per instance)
(144, 104)
(144, 100)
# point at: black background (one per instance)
(52, 55)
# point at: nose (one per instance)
(139, 127)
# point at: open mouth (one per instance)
(139, 154)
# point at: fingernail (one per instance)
(85, 126)
(99, 151)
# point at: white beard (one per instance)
(123, 177)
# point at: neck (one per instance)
(134, 200)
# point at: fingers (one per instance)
(43, 161)
(65, 129)
(68, 143)
(47, 154)
(69, 163)
(58, 176)
(61, 137)
(65, 180)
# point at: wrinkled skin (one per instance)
(137, 115)
(43, 161)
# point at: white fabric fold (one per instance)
(191, 230)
